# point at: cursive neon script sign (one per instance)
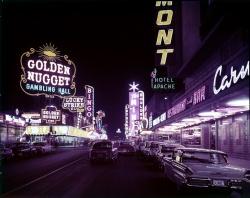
(227, 81)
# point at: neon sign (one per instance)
(227, 81)
(74, 104)
(160, 82)
(126, 119)
(50, 115)
(46, 72)
(89, 105)
(164, 19)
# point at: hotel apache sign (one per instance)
(46, 72)
(74, 104)
(160, 81)
(164, 54)
(50, 115)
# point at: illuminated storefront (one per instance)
(211, 115)
(212, 110)
(11, 128)
(63, 135)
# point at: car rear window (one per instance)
(39, 144)
(102, 145)
(204, 157)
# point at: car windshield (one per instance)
(152, 146)
(19, 145)
(102, 145)
(167, 149)
(39, 144)
(125, 143)
(204, 157)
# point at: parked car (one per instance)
(22, 149)
(145, 149)
(126, 148)
(5, 152)
(151, 149)
(204, 168)
(165, 151)
(43, 147)
(103, 150)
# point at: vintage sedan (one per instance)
(23, 149)
(165, 151)
(126, 148)
(103, 150)
(5, 152)
(204, 168)
(43, 147)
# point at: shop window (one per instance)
(191, 136)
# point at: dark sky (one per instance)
(111, 43)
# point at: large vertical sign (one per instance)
(164, 53)
(135, 109)
(46, 72)
(141, 105)
(165, 32)
(89, 105)
(126, 119)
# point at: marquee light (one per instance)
(190, 120)
(244, 102)
(134, 87)
(210, 114)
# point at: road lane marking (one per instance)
(42, 177)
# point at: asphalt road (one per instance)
(68, 173)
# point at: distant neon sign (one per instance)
(89, 105)
(226, 81)
(74, 104)
(181, 106)
(126, 118)
(50, 115)
(141, 105)
(46, 72)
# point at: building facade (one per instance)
(212, 110)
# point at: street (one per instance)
(68, 173)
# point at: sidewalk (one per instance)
(239, 162)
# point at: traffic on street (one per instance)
(69, 173)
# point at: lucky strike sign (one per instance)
(46, 72)
(74, 104)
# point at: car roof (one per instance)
(105, 141)
(201, 150)
(173, 145)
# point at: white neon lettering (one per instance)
(31, 64)
(226, 81)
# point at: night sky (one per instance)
(111, 43)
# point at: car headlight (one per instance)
(247, 175)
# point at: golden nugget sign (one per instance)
(46, 72)
(50, 115)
